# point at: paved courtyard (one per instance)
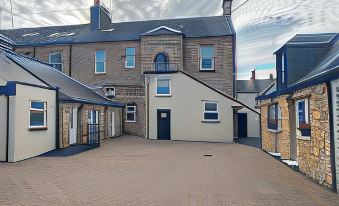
(134, 171)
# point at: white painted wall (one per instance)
(24, 144)
(9, 71)
(186, 105)
(253, 120)
(3, 127)
(335, 103)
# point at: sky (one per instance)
(262, 26)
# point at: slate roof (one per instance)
(70, 90)
(310, 40)
(253, 86)
(125, 31)
(326, 70)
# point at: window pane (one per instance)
(130, 51)
(211, 116)
(272, 112)
(38, 105)
(211, 106)
(100, 56)
(130, 109)
(207, 51)
(57, 66)
(37, 118)
(100, 67)
(207, 63)
(55, 58)
(130, 61)
(130, 117)
(163, 90)
(163, 83)
(301, 111)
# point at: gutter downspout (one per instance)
(57, 131)
(34, 51)
(7, 132)
(234, 64)
(70, 59)
(332, 139)
(147, 109)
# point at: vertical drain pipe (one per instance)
(7, 132)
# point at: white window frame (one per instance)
(212, 58)
(62, 60)
(307, 112)
(214, 112)
(95, 63)
(131, 112)
(38, 110)
(169, 84)
(110, 94)
(283, 68)
(126, 66)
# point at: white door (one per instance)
(3, 128)
(73, 126)
(112, 124)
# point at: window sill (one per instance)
(131, 121)
(37, 128)
(207, 70)
(127, 68)
(163, 95)
(98, 73)
(304, 138)
(274, 131)
(210, 121)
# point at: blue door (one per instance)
(161, 62)
(242, 125)
(164, 124)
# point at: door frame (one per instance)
(113, 123)
(170, 126)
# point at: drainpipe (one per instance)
(57, 129)
(7, 132)
(70, 59)
(147, 109)
(234, 42)
(34, 51)
(332, 139)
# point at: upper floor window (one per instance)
(130, 58)
(163, 87)
(38, 114)
(207, 58)
(161, 62)
(100, 61)
(283, 68)
(211, 111)
(55, 59)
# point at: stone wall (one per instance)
(314, 153)
(82, 133)
(276, 141)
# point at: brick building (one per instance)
(111, 57)
(300, 113)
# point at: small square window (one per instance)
(110, 92)
(163, 87)
(211, 113)
(38, 114)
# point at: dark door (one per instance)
(164, 124)
(242, 125)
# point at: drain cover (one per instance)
(208, 155)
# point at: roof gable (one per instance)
(162, 30)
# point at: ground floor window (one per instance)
(38, 114)
(302, 116)
(211, 111)
(274, 120)
(131, 113)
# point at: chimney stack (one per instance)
(227, 7)
(96, 2)
(100, 17)
(271, 76)
(253, 74)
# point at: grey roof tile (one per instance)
(254, 86)
(124, 31)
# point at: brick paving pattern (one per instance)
(135, 171)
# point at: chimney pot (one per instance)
(253, 74)
(96, 2)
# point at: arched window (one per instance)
(161, 62)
